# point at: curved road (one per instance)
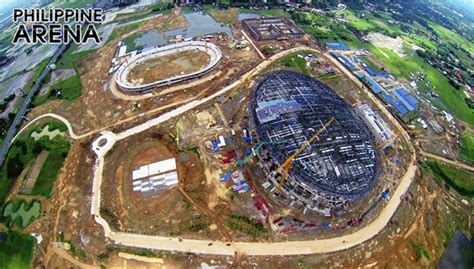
(107, 139)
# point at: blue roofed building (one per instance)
(402, 110)
(408, 100)
(336, 46)
(374, 86)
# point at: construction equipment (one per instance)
(256, 150)
(244, 82)
(286, 166)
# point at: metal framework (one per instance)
(339, 166)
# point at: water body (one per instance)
(244, 16)
(200, 24)
(26, 215)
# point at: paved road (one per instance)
(21, 113)
(55, 116)
(105, 142)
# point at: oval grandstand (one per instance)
(121, 76)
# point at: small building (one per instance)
(155, 177)
(221, 141)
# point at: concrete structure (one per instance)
(272, 29)
(376, 124)
(121, 76)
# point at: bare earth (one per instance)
(181, 63)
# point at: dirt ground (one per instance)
(199, 206)
(167, 213)
(100, 109)
(168, 66)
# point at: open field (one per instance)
(168, 66)
(402, 67)
(450, 36)
(274, 12)
(224, 16)
(121, 30)
(16, 250)
(370, 64)
(369, 22)
(460, 180)
(294, 62)
(68, 89)
(467, 147)
(69, 59)
(22, 155)
(163, 8)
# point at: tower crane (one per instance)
(286, 166)
(256, 150)
(244, 82)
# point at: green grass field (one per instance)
(68, 89)
(274, 12)
(293, 62)
(460, 180)
(370, 64)
(16, 251)
(130, 41)
(22, 154)
(369, 22)
(467, 147)
(121, 30)
(69, 59)
(450, 36)
(402, 67)
(49, 172)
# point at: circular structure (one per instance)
(339, 166)
(135, 75)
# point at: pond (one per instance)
(27, 216)
(200, 24)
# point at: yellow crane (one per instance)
(244, 82)
(286, 166)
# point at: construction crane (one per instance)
(256, 150)
(244, 82)
(286, 166)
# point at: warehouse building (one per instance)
(155, 177)
(336, 168)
